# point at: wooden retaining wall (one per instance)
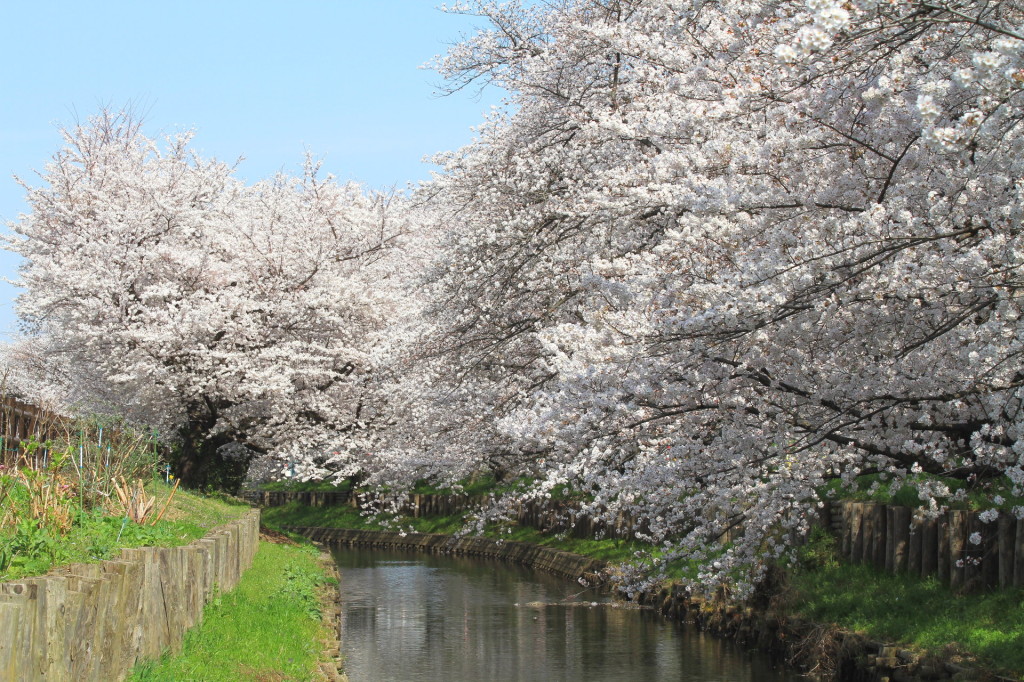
(559, 516)
(555, 561)
(900, 540)
(88, 622)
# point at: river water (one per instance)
(411, 616)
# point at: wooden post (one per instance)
(224, 561)
(20, 655)
(1018, 555)
(957, 547)
(889, 564)
(845, 541)
(128, 588)
(990, 556)
(856, 532)
(943, 559)
(50, 629)
(867, 525)
(915, 545)
(974, 553)
(209, 572)
(31, 658)
(235, 539)
(881, 535)
(900, 531)
(93, 624)
(929, 546)
(10, 619)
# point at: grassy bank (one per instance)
(33, 543)
(294, 514)
(88, 490)
(269, 628)
(919, 614)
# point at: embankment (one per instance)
(95, 621)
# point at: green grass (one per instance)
(295, 514)
(203, 510)
(32, 548)
(878, 488)
(268, 628)
(611, 550)
(921, 614)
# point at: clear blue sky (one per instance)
(257, 79)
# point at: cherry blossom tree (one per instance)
(717, 254)
(711, 257)
(241, 318)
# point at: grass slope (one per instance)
(295, 514)
(33, 548)
(268, 629)
(920, 614)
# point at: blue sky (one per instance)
(262, 80)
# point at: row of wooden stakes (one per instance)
(956, 546)
(93, 622)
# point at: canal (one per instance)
(412, 616)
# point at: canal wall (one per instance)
(87, 622)
(555, 561)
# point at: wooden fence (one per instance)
(19, 421)
(560, 516)
(95, 621)
(899, 540)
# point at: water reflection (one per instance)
(408, 616)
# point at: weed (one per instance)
(819, 552)
(300, 584)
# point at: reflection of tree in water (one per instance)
(426, 617)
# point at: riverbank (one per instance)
(823, 615)
(280, 623)
(61, 533)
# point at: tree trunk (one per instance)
(196, 460)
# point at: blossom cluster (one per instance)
(716, 255)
